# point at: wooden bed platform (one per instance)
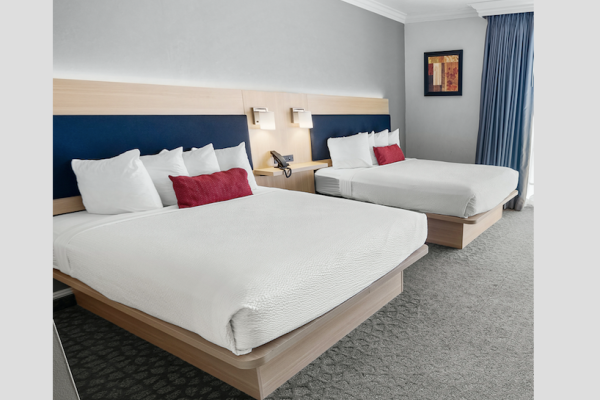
(459, 232)
(267, 367)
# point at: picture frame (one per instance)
(443, 73)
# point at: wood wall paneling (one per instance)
(297, 140)
(79, 97)
(262, 141)
(336, 105)
(67, 205)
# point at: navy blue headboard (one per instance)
(327, 126)
(93, 137)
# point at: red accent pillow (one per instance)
(388, 154)
(192, 191)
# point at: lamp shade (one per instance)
(302, 117)
(267, 120)
(305, 119)
(264, 118)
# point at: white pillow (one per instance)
(236, 157)
(394, 137)
(116, 185)
(350, 151)
(201, 161)
(378, 139)
(371, 144)
(160, 166)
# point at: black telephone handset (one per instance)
(281, 163)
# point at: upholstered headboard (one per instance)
(103, 136)
(327, 126)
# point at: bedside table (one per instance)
(302, 178)
(297, 167)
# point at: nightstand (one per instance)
(302, 178)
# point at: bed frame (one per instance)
(459, 232)
(102, 119)
(267, 367)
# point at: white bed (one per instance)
(452, 189)
(243, 272)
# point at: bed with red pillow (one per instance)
(460, 200)
(169, 243)
(453, 189)
(452, 195)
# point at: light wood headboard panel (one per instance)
(67, 205)
(75, 97)
(336, 105)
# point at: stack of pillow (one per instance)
(365, 149)
(130, 183)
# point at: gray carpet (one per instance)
(462, 329)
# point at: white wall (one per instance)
(308, 46)
(444, 128)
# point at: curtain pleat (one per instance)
(506, 108)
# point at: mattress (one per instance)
(327, 181)
(460, 190)
(243, 272)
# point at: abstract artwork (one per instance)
(443, 73)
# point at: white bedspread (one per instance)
(459, 190)
(243, 272)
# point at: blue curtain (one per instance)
(506, 108)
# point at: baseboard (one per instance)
(62, 293)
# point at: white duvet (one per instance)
(459, 190)
(243, 272)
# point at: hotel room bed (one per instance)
(250, 290)
(243, 272)
(461, 200)
(460, 190)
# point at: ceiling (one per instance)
(410, 11)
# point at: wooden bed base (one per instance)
(267, 367)
(459, 232)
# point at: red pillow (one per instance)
(388, 154)
(192, 191)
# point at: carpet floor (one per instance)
(462, 329)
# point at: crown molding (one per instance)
(378, 8)
(481, 9)
(502, 7)
(452, 14)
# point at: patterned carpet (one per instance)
(462, 329)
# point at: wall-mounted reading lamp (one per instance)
(302, 117)
(264, 118)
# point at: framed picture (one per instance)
(443, 73)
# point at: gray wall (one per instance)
(444, 128)
(309, 46)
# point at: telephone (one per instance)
(282, 164)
